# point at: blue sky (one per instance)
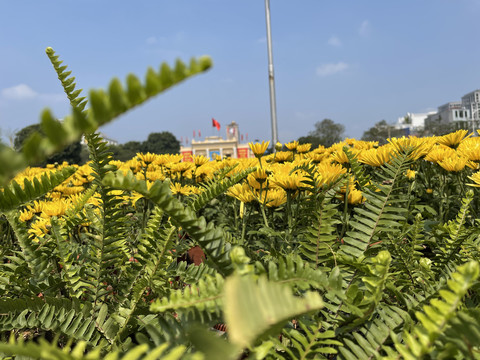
(355, 62)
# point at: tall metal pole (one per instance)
(271, 77)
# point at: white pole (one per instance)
(271, 78)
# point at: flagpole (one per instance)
(271, 77)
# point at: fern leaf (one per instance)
(434, 318)
(253, 308)
(103, 110)
(216, 187)
(207, 295)
(309, 340)
(379, 216)
(13, 196)
(210, 238)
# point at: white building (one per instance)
(450, 112)
(412, 122)
(471, 103)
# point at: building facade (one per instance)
(412, 122)
(214, 146)
(464, 113)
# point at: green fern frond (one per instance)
(215, 187)
(434, 318)
(206, 295)
(50, 314)
(373, 286)
(448, 256)
(358, 170)
(82, 351)
(14, 195)
(293, 271)
(381, 214)
(368, 341)
(189, 274)
(256, 308)
(36, 256)
(308, 340)
(73, 273)
(320, 244)
(68, 82)
(105, 106)
(209, 238)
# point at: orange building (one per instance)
(214, 146)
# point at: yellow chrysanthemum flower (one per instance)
(259, 149)
(292, 145)
(439, 153)
(274, 198)
(303, 148)
(177, 188)
(476, 179)
(147, 158)
(283, 156)
(241, 192)
(355, 197)
(284, 178)
(40, 228)
(315, 157)
(340, 156)
(200, 160)
(454, 163)
(26, 215)
(410, 174)
(420, 146)
(182, 167)
(470, 148)
(55, 208)
(453, 139)
(330, 172)
(376, 157)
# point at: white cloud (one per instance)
(19, 92)
(365, 28)
(331, 69)
(334, 41)
(262, 40)
(151, 40)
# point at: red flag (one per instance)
(242, 137)
(216, 124)
(199, 133)
(193, 133)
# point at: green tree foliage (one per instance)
(381, 131)
(161, 143)
(70, 154)
(158, 143)
(438, 127)
(126, 151)
(326, 133)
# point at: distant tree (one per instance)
(126, 151)
(381, 131)
(439, 127)
(71, 153)
(309, 139)
(326, 133)
(161, 143)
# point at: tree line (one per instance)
(158, 142)
(327, 132)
